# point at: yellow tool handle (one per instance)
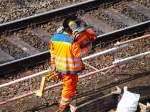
(51, 76)
(42, 85)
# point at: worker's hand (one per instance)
(85, 50)
(52, 68)
(58, 77)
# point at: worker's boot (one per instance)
(60, 110)
(70, 108)
(73, 108)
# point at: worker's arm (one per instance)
(80, 52)
(85, 50)
(91, 34)
(52, 59)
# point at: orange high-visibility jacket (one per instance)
(65, 54)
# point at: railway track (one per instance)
(24, 42)
(82, 96)
(25, 52)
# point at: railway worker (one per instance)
(66, 59)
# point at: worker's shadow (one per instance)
(41, 107)
(144, 92)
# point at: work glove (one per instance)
(85, 50)
(58, 76)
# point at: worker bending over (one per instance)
(66, 53)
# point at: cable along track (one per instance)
(111, 24)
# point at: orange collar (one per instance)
(70, 33)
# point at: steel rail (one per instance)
(117, 63)
(46, 71)
(108, 51)
(124, 31)
(24, 62)
(25, 78)
(125, 60)
(132, 40)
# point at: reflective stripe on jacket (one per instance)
(66, 54)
